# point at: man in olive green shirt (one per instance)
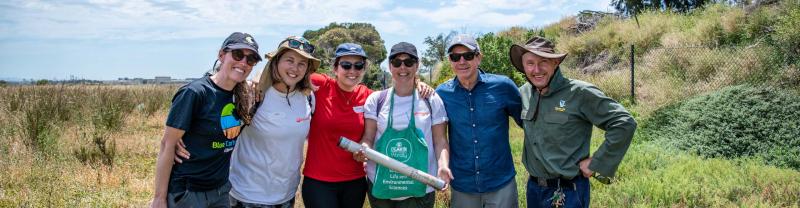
(558, 114)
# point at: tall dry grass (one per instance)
(79, 145)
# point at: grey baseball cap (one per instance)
(466, 40)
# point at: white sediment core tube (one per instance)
(392, 164)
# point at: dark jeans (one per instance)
(576, 192)
(212, 198)
(346, 194)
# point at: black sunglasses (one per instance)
(455, 57)
(409, 62)
(238, 55)
(299, 43)
(346, 65)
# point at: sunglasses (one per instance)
(238, 55)
(299, 43)
(346, 65)
(408, 62)
(455, 57)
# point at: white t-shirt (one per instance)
(402, 105)
(265, 166)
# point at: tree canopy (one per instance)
(327, 38)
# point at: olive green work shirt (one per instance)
(558, 129)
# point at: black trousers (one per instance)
(346, 194)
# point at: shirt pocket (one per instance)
(489, 107)
(554, 123)
(488, 100)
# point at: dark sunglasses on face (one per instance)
(346, 65)
(238, 54)
(455, 57)
(408, 62)
(300, 43)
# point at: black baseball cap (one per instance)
(239, 40)
(403, 47)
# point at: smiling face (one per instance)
(538, 69)
(348, 79)
(235, 71)
(403, 74)
(463, 68)
(292, 67)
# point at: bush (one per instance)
(786, 31)
(739, 121)
(102, 152)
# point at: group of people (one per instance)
(215, 155)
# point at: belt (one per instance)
(554, 182)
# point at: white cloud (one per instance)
(178, 19)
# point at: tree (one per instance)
(327, 38)
(436, 51)
(495, 57)
(42, 82)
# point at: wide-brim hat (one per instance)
(265, 76)
(536, 45)
(314, 63)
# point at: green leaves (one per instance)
(739, 121)
(327, 38)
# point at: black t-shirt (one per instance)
(203, 110)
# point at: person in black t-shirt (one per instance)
(202, 116)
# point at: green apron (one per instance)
(407, 146)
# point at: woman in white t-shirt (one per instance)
(387, 188)
(265, 166)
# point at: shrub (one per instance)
(108, 115)
(739, 121)
(787, 26)
(101, 152)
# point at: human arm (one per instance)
(370, 128)
(442, 152)
(425, 90)
(619, 127)
(514, 102)
(371, 115)
(164, 164)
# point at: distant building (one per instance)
(162, 80)
(155, 80)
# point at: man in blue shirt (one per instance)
(478, 105)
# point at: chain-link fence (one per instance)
(662, 75)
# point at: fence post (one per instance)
(633, 76)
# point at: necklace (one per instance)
(342, 93)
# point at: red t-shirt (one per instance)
(337, 113)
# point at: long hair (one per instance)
(271, 76)
(243, 96)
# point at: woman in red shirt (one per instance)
(332, 177)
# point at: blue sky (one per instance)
(108, 39)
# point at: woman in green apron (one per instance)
(414, 134)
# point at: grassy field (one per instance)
(64, 165)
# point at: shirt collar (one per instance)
(481, 75)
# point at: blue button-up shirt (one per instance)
(480, 155)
